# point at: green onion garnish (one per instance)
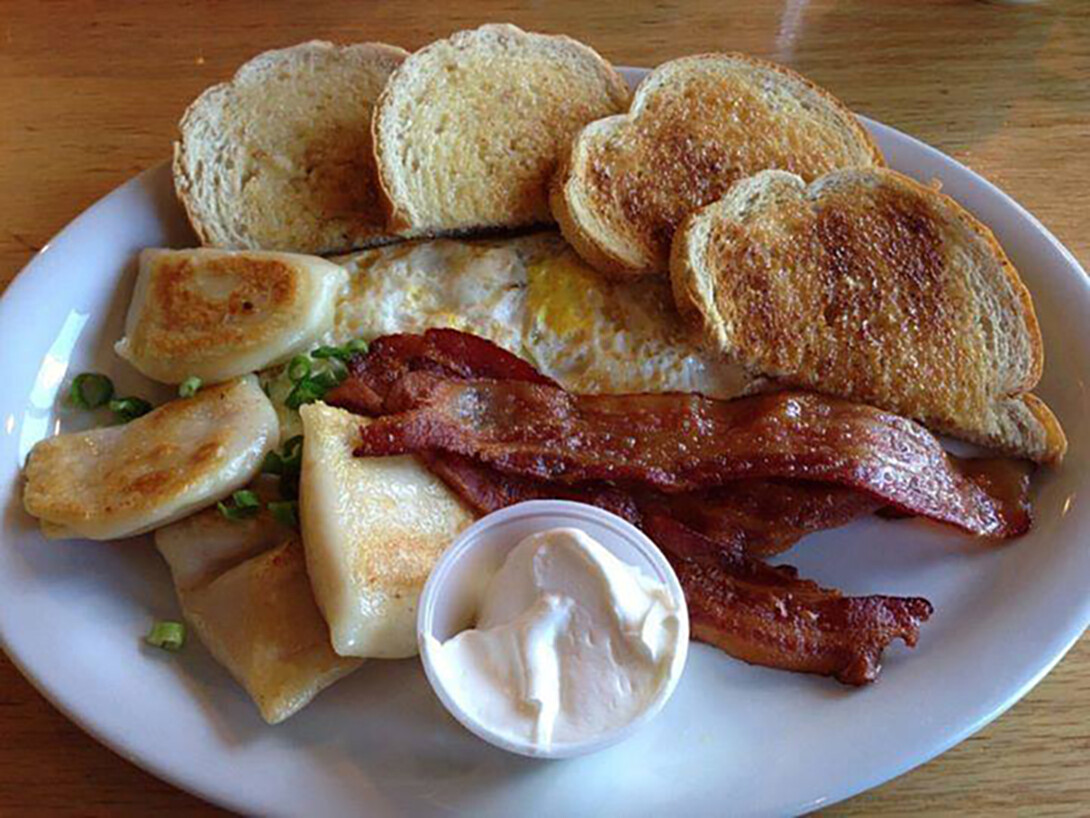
(274, 464)
(189, 387)
(90, 390)
(127, 409)
(244, 503)
(309, 384)
(291, 459)
(328, 378)
(305, 391)
(287, 463)
(286, 512)
(343, 353)
(299, 368)
(292, 452)
(330, 352)
(166, 635)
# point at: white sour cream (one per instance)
(570, 643)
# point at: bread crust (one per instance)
(691, 134)
(868, 285)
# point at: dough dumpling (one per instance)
(243, 588)
(218, 314)
(117, 481)
(373, 528)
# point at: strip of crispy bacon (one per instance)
(766, 615)
(440, 351)
(750, 610)
(676, 443)
(762, 517)
(486, 490)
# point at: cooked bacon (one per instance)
(441, 351)
(713, 482)
(762, 517)
(766, 615)
(486, 490)
(676, 443)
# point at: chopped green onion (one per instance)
(166, 635)
(292, 452)
(338, 353)
(304, 392)
(339, 368)
(244, 503)
(90, 390)
(299, 368)
(189, 387)
(127, 409)
(286, 512)
(274, 464)
(327, 379)
(342, 353)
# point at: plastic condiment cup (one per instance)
(453, 593)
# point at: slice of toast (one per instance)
(696, 126)
(868, 285)
(469, 130)
(280, 157)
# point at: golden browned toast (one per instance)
(869, 285)
(696, 126)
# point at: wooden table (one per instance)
(90, 93)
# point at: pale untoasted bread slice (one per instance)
(280, 157)
(868, 285)
(469, 129)
(696, 126)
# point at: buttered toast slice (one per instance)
(868, 285)
(696, 126)
(280, 157)
(470, 128)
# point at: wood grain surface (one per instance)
(90, 94)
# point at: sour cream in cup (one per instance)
(553, 629)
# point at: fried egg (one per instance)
(535, 297)
(117, 481)
(218, 314)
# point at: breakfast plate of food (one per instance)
(490, 430)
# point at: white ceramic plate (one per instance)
(734, 738)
